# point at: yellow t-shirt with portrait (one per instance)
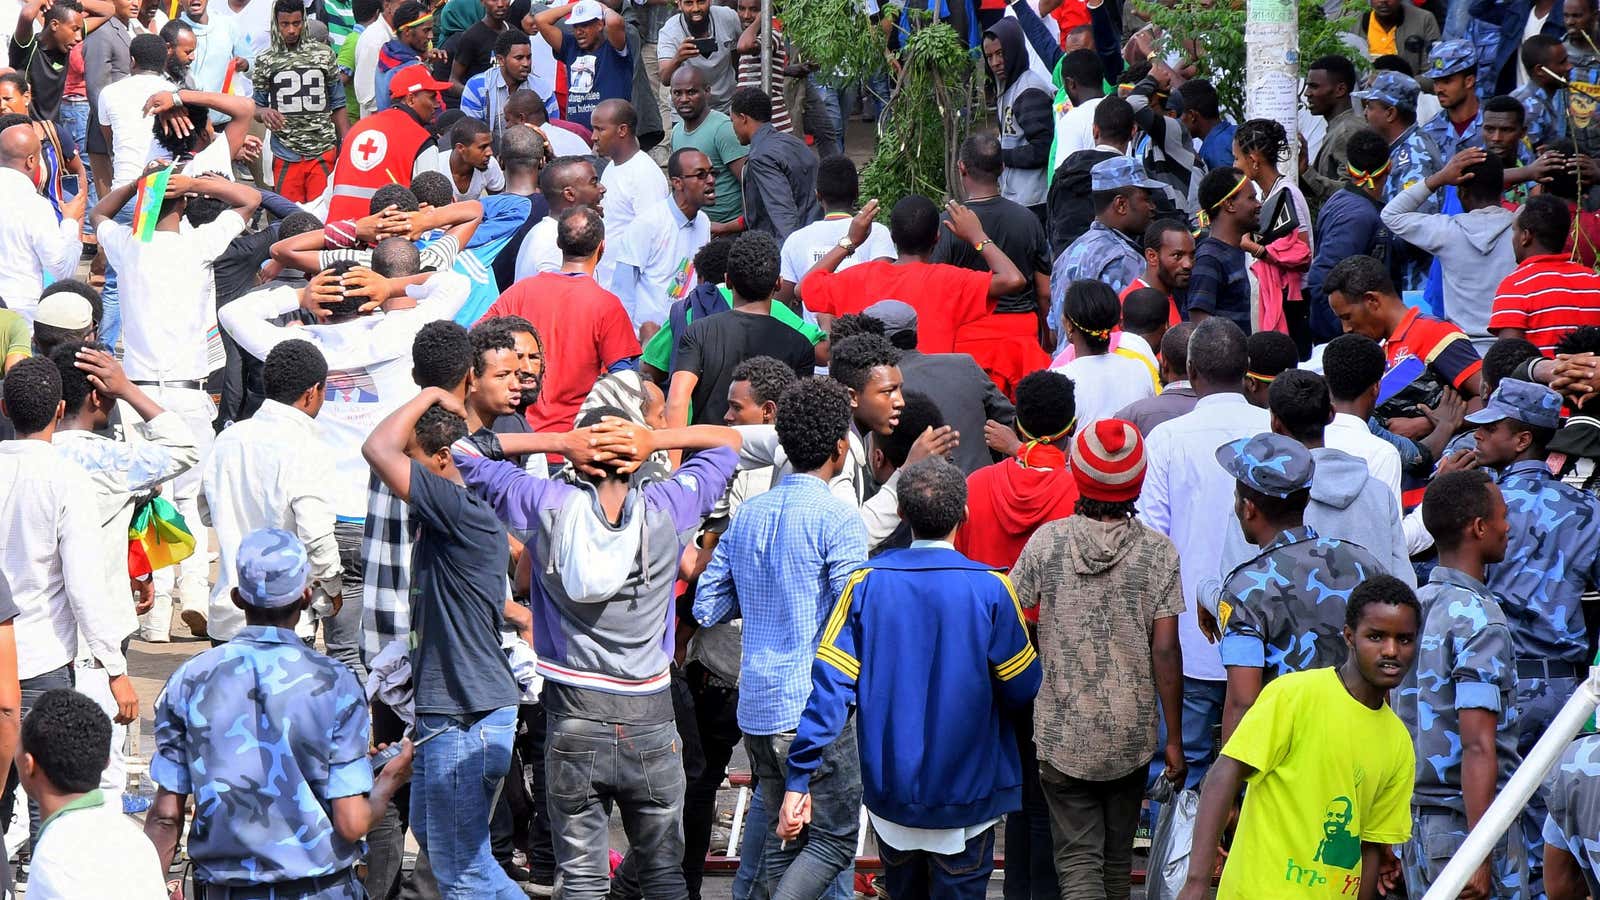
(1380, 40)
(1330, 774)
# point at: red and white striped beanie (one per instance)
(1108, 461)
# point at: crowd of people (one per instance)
(564, 419)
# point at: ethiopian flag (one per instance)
(158, 537)
(147, 203)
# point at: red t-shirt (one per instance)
(1437, 343)
(945, 297)
(1173, 316)
(585, 331)
(1547, 296)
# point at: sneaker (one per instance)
(155, 637)
(196, 620)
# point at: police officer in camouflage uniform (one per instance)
(1284, 610)
(1454, 60)
(1553, 556)
(1459, 701)
(1110, 251)
(1572, 855)
(1390, 105)
(271, 738)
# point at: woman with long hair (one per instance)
(58, 153)
(1259, 146)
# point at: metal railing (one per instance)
(1502, 814)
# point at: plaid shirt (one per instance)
(782, 564)
(386, 582)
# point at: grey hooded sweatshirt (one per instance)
(1473, 249)
(1349, 504)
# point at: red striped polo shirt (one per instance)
(1546, 297)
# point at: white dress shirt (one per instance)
(32, 243)
(1188, 497)
(121, 472)
(95, 851)
(654, 260)
(1350, 434)
(366, 74)
(268, 471)
(169, 296)
(369, 368)
(50, 562)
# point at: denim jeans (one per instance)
(110, 330)
(74, 117)
(1202, 714)
(32, 689)
(1093, 823)
(920, 875)
(803, 869)
(386, 843)
(591, 765)
(455, 780)
(757, 825)
(342, 633)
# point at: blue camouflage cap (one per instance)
(1451, 58)
(1528, 403)
(1394, 88)
(1120, 172)
(1270, 463)
(273, 568)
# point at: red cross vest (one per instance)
(381, 149)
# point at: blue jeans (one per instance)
(1202, 713)
(805, 868)
(110, 306)
(831, 103)
(32, 689)
(74, 117)
(920, 875)
(757, 825)
(590, 765)
(454, 783)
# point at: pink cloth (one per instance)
(1278, 275)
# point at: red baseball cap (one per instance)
(415, 78)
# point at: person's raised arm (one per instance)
(19, 50)
(112, 202)
(385, 448)
(616, 30)
(1039, 37)
(860, 229)
(241, 198)
(964, 224)
(1222, 786)
(549, 25)
(241, 112)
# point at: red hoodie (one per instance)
(1007, 502)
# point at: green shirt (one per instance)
(658, 352)
(15, 337)
(715, 138)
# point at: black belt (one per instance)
(276, 890)
(189, 385)
(1548, 668)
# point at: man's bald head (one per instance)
(618, 113)
(525, 108)
(684, 76)
(564, 179)
(17, 144)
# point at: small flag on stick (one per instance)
(147, 203)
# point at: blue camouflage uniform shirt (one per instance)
(1554, 554)
(1450, 142)
(1099, 254)
(1464, 661)
(1284, 610)
(1574, 801)
(265, 733)
(1546, 118)
(1413, 157)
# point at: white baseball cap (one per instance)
(586, 11)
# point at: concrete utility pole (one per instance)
(1272, 68)
(766, 46)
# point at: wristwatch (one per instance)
(177, 99)
(847, 245)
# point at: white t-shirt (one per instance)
(539, 252)
(95, 852)
(1533, 26)
(1075, 131)
(1103, 384)
(369, 366)
(563, 142)
(169, 297)
(489, 180)
(630, 187)
(215, 159)
(803, 247)
(133, 139)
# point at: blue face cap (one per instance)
(1120, 172)
(1451, 58)
(273, 568)
(1524, 401)
(1270, 463)
(1394, 88)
